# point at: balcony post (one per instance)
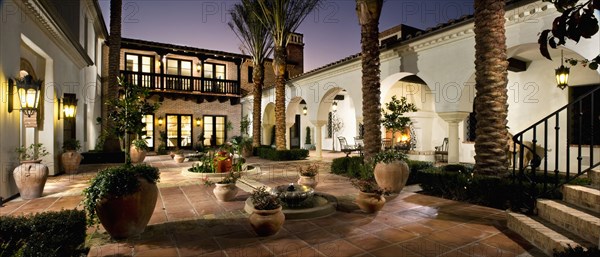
(239, 76)
(162, 71)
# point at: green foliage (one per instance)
(307, 140)
(32, 152)
(245, 124)
(348, 166)
(577, 252)
(389, 156)
(162, 146)
(263, 200)
(393, 118)
(71, 144)
(205, 165)
(140, 144)
(240, 143)
(45, 234)
(415, 167)
(282, 155)
(101, 139)
(115, 182)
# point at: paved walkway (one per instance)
(189, 221)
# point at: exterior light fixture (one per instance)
(29, 94)
(334, 106)
(69, 107)
(198, 122)
(160, 121)
(304, 110)
(562, 74)
(198, 67)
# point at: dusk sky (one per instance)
(330, 33)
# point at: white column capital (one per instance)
(319, 123)
(453, 117)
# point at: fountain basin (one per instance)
(293, 194)
(319, 205)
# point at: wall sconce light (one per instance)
(334, 106)
(160, 121)
(562, 74)
(198, 67)
(29, 94)
(69, 107)
(304, 110)
(198, 122)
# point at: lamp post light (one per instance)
(562, 74)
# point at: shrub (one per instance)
(577, 252)
(282, 155)
(415, 167)
(347, 166)
(45, 234)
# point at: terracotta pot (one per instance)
(137, 155)
(70, 161)
(392, 176)
(225, 192)
(179, 158)
(370, 202)
(127, 216)
(266, 222)
(30, 178)
(309, 181)
(223, 165)
(246, 152)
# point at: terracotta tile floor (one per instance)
(189, 221)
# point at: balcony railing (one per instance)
(183, 84)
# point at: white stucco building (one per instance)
(59, 42)
(435, 70)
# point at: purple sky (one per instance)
(330, 33)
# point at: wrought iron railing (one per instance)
(570, 128)
(177, 83)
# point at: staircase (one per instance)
(546, 222)
(574, 220)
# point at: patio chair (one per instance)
(441, 151)
(348, 149)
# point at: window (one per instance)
(139, 63)
(250, 73)
(179, 68)
(148, 130)
(214, 130)
(330, 125)
(585, 116)
(214, 71)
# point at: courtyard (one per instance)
(189, 221)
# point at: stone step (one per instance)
(542, 234)
(594, 176)
(571, 218)
(582, 196)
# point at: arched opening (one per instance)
(268, 125)
(338, 112)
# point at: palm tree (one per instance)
(282, 18)
(256, 40)
(368, 12)
(490, 103)
(114, 48)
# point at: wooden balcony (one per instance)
(165, 83)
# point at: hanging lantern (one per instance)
(562, 74)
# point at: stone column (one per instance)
(453, 118)
(319, 137)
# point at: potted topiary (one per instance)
(391, 171)
(122, 198)
(370, 196)
(307, 139)
(71, 158)
(138, 150)
(266, 218)
(31, 175)
(307, 175)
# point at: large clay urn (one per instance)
(137, 155)
(30, 178)
(392, 176)
(309, 181)
(222, 162)
(70, 161)
(267, 222)
(225, 192)
(127, 216)
(370, 202)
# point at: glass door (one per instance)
(148, 130)
(179, 131)
(214, 130)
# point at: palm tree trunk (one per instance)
(258, 76)
(279, 67)
(368, 12)
(490, 104)
(114, 48)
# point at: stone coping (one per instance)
(325, 204)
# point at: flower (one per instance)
(310, 170)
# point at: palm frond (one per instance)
(283, 17)
(250, 30)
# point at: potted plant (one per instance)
(307, 139)
(178, 156)
(370, 196)
(242, 145)
(122, 198)
(266, 218)
(391, 170)
(138, 150)
(31, 175)
(71, 158)
(225, 189)
(307, 175)
(393, 118)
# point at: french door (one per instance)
(179, 131)
(214, 130)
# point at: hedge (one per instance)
(45, 234)
(281, 155)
